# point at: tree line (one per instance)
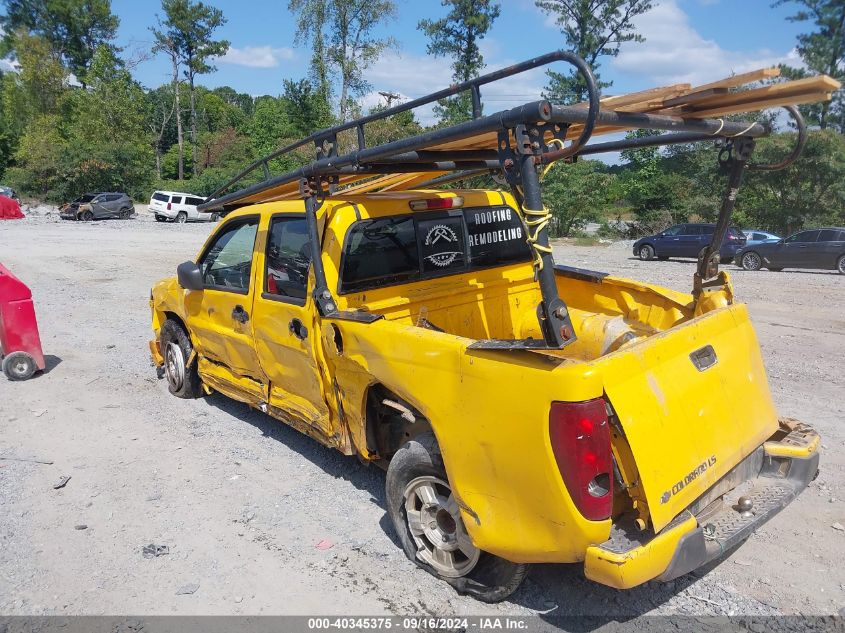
(73, 118)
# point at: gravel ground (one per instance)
(242, 501)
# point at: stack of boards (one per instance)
(733, 95)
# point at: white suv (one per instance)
(175, 206)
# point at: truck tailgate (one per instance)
(690, 413)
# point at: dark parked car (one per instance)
(97, 206)
(687, 240)
(816, 248)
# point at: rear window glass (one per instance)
(401, 249)
(161, 197)
(496, 237)
(380, 252)
(442, 244)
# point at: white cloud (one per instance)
(256, 56)
(674, 52)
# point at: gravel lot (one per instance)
(242, 501)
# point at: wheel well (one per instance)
(391, 421)
(172, 316)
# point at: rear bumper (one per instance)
(779, 470)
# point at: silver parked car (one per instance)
(99, 206)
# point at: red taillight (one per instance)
(169, 206)
(436, 203)
(580, 437)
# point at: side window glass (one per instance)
(673, 230)
(227, 264)
(828, 235)
(288, 258)
(176, 200)
(441, 244)
(804, 236)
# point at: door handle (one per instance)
(240, 315)
(298, 329)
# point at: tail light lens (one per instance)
(169, 206)
(580, 437)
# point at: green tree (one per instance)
(344, 30)
(310, 22)
(166, 42)
(457, 35)
(307, 109)
(822, 51)
(810, 193)
(42, 80)
(37, 160)
(107, 144)
(189, 27)
(74, 29)
(576, 194)
(592, 29)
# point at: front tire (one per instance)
(646, 252)
(840, 265)
(427, 519)
(19, 366)
(180, 369)
(751, 261)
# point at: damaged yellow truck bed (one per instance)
(644, 448)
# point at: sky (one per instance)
(694, 41)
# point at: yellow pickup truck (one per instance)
(525, 411)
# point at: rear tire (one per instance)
(416, 479)
(840, 265)
(181, 217)
(19, 366)
(751, 261)
(125, 214)
(183, 381)
(646, 252)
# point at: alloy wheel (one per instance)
(751, 261)
(434, 521)
(174, 366)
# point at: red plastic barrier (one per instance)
(18, 327)
(10, 209)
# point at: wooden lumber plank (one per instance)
(738, 80)
(755, 106)
(694, 97)
(810, 85)
(651, 94)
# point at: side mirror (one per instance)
(189, 276)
